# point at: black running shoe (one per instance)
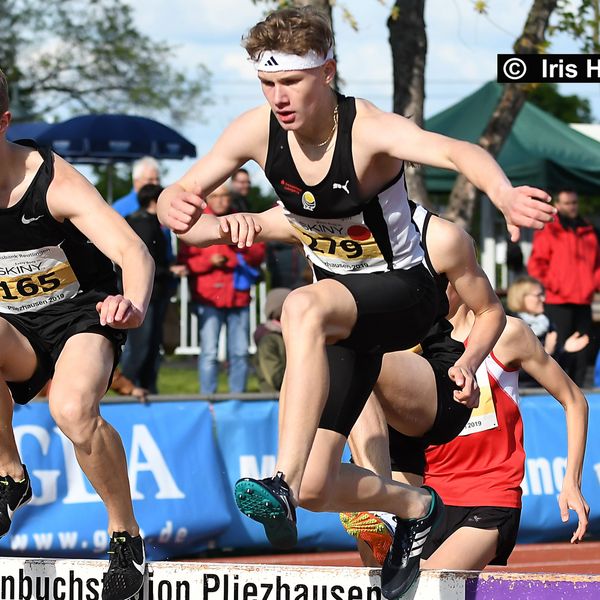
(13, 495)
(401, 566)
(125, 575)
(268, 502)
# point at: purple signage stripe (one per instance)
(536, 587)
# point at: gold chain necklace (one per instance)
(329, 137)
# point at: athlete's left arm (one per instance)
(546, 371)
(72, 197)
(455, 251)
(522, 206)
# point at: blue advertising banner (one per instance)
(247, 438)
(545, 435)
(171, 456)
(185, 457)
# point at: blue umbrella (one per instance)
(26, 131)
(107, 138)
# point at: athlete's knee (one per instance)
(76, 415)
(302, 307)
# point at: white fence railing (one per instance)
(189, 343)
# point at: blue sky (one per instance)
(461, 55)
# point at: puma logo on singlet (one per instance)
(339, 186)
(26, 221)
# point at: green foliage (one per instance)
(589, 207)
(570, 109)
(88, 55)
(581, 21)
(259, 201)
(121, 180)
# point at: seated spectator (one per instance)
(221, 278)
(270, 349)
(525, 299)
(141, 356)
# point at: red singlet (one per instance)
(484, 468)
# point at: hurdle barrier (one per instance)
(47, 579)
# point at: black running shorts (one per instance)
(395, 311)
(505, 520)
(407, 453)
(49, 329)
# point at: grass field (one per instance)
(179, 375)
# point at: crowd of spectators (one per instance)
(221, 277)
(553, 297)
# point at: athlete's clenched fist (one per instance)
(184, 211)
(119, 313)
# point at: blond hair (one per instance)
(515, 296)
(3, 92)
(290, 30)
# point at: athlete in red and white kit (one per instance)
(479, 473)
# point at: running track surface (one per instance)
(582, 558)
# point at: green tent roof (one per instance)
(540, 151)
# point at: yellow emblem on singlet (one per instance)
(308, 201)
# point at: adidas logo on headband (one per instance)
(273, 61)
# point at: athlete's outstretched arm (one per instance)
(73, 197)
(246, 138)
(522, 343)
(521, 206)
(453, 253)
(241, 229)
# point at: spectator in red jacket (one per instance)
(221, 278)
(566, 259)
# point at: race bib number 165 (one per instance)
(33, 279)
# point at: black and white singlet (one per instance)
(44, 262)
(343, 232)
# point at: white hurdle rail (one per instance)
(189, 343)
(69, 579)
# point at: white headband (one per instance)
(273, 61)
